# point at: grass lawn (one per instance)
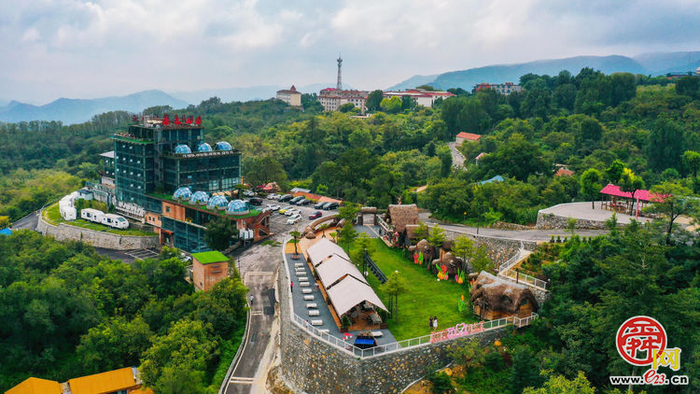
(425, 297)
(53, 215)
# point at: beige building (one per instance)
(290, 96)
(208, 268)
(426, 98)
(331, 98)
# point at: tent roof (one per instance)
(642, 195)
(350, 292)
(335, 268)
(105, 382)
(323, 249)
(36, 386)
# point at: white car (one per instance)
(273, 196)
(291, 212)
(293, 220)
(273, 207)
(249, 193)
(295, 216)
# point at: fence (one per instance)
(505, 270)
(406, 344)
(375, 269)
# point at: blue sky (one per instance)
(85, 49)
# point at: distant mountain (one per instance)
(71, 111)
(245, 94)
(416, 80)
(651, 63)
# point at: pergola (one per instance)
(621, 201)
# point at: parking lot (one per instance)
(278, 221)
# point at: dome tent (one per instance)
(199, 197)
(238, 207)
(219, 202)
(182, 149)
(223, 145)
(183, 193)
(204, 147)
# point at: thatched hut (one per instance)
(401, 215)
(495, 298)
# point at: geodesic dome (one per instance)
(237, 207)
(183, 193)
(182, 149)
(219, 202)
(199, 198)
(203, 147)
(223, 145)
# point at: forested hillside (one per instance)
(69, 312)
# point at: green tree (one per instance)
(295, 237)
(672, 200)
(264, 169)
(394, 286)
(374, 100)
(348, 211)
(688, 86)
(362, 243)
(471, 355)
(348, 234)
(463, 246)
(481, 261)
(615, 171)
(436, 238)
(666, 145)
(630, 182)
(591, 185)
(186, 352)
(524, 371)
(113, 344)
(221, 233)
(691, 159)
(391, 105)
(347, 107)
(557, 384)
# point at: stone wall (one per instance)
(313, 366)
(100, 239)
(550, 221)
(499, 250)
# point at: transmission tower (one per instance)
(340, 75)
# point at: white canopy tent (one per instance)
(334, 269)
(324, 249)
(350, 292)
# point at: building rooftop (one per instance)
(109, 155)
(210, 257)
(36, 386)
(469, 136)
(105, 382)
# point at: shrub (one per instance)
(442, 383)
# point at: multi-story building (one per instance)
(290, 96)
(332, 98)
(426, 98)
(167, 176)
(502, 88)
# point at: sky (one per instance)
(87, 49)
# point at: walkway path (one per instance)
(457, 156)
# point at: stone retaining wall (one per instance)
(550, 221)
(312, 366)
(499, 250)
(100, 239)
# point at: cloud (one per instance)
(88, 48)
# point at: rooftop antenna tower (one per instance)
(339, 85)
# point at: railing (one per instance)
(384, 225)
(407, 343)
(505, 270)
(375, 269)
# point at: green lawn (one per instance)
(426, 296)
(53, 215)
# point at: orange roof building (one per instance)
(119, 380)
(36, 386)
(463, 136)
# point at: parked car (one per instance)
(316, 215)
(256, 201)
(273, 207)
(296, 215)
(319, 205)
(331, 205)
(285, 209)
(291, 212)
(248, 193)
(285, 198)
(304, 202)
(325, 206)
(273, 196)
(296, 199)
(293, 220)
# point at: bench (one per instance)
(306, 291)
(314, 312)
(308, 298)
(304, 284)
(298, 265)
(311, 305)
(303, 277)
(317, 322)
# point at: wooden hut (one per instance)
(496, 298)
(400, 215)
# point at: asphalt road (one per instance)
(258, 267)
(457, 156)
(28, 222)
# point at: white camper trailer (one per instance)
(65, 206)
(116, 221)
(92, 215)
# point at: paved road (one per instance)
(524, 235)
(258, 266)
(28, 222)
(457, 156)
